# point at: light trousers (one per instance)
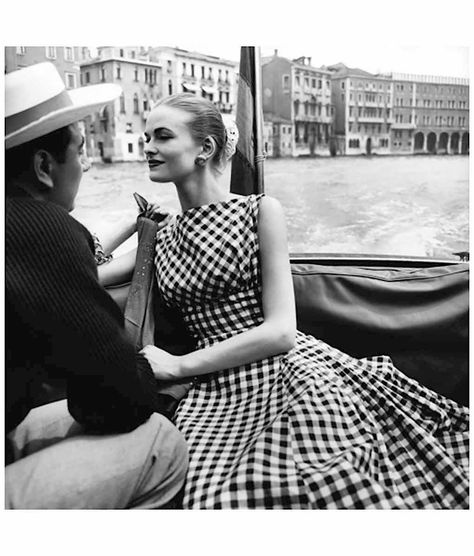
(57, 466)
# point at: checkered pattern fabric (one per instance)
(312, 428)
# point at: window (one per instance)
(122, 103)
(69, 53)
(70, 79)
(88, 77)
(184, 68)
(21, 50)
(118, 74)
(121, 53)
(130, 148)
(286, 81)
(135, 74)
(169, 66)
(129, 127)
(51, 52)
(170, 87)
(203, 72)
(135, 104)
(102, 73)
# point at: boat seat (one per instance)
(417, 316)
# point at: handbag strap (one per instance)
(139, 318)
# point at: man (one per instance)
(106, 447)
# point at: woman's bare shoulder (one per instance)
(270, 206)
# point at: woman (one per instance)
(275, 418)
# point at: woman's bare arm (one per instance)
(115, 236)
(118, 270)
(276, 334)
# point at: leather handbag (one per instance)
(147, 318)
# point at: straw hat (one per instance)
(37, 102)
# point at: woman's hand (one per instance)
(154, 212)
(164, 365)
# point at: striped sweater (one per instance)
(61, 323)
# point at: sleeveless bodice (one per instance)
(207, 266)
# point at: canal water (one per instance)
(394, 205)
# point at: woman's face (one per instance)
(170, 149)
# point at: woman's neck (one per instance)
(199, 190)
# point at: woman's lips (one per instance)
(154, 163)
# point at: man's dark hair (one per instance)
(19, 158)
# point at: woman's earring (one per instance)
(200, 161)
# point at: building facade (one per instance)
(65, 58)
(363, 104)
(399, 113)
(307, 110)
(211, 77)
(431, 115)
(297, 100)
(116, 132)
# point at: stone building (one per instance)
(65, 58)
(116, 132)
(431, 114)
(296, 98)
(363, 104)
(208, 76)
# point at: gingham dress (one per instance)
(312, 428)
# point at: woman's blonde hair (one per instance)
(206, 121)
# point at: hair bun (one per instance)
(232, 137)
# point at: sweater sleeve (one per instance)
(52, 281)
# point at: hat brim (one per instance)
(86, 100)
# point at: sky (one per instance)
(448, 61)
(451, 61)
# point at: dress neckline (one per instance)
(214, 204)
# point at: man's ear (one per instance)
(42, 167)
(209, 147)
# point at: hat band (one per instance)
(22, 119)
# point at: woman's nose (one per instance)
(149, 148)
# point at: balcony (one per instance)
(400, 125)
(371, 120)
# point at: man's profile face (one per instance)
(67, 175)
